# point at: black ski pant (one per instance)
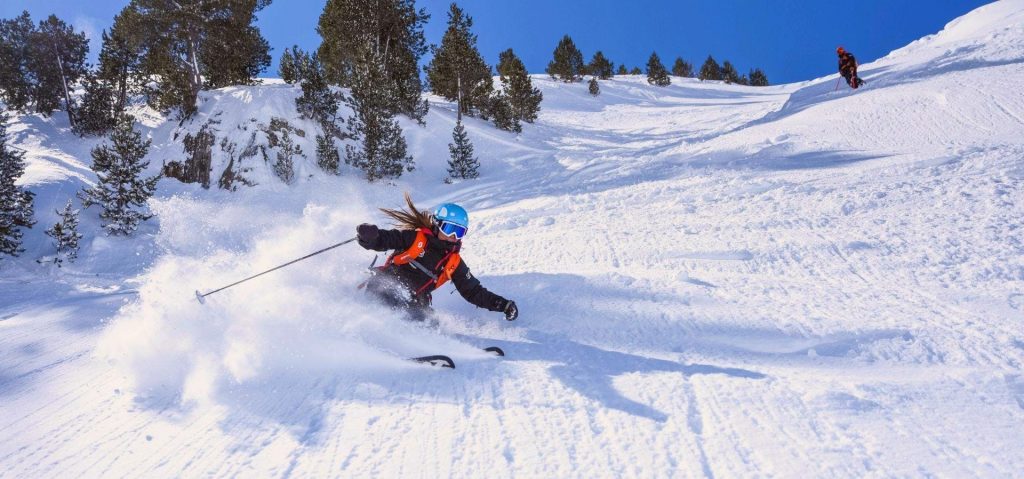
(852, 79)
(390, 292)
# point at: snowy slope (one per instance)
(714, 280)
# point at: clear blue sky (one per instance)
(790, 40)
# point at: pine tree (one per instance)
(286, 68)
(15, 202)
(458, 71)
(710, 70)
(593, 87)
(57, 62)
(656, 72)
(317, 102)
(517, 89)
(15, 54)
(306, 64)
(296, 65)
(65, 234)
(382, 151)
(95, 114)
(729, 73)
(622, 70)
(636, 71)
(121, 187)
(393, 30)
(681, 68)
(287, 150)
(758, 78)
(191, 45)
(567, 64)
(327, 156)
(600, 67)
(120, 58)
(501, 111)
(462, 164)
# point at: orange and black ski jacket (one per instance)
(435, 256)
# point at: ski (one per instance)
(495, 350)
(442, 361)
(438, 360)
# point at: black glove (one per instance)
(507, 307)
(367, 235)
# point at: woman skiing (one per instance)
(848, 68)
(426, 255)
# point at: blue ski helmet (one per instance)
(452, 214)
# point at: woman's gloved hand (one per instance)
(367, 235)
(509, 308)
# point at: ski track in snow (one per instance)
(714, 280)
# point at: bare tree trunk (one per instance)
(122, 90)
(193, 58)
(458, 80)
(64, 80)
(387, 46)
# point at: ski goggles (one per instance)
(452, 229)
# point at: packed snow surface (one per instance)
(713, 280)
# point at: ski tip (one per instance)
(200, 297)
(495, 351)
(437, 360)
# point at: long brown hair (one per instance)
(410, 219)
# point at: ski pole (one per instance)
(202, 297)
(837, 86)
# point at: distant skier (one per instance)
(426, 255)
(848, 68)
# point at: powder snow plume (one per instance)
(306, 320)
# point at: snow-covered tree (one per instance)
(382, 151)
(682, 68)
(710, 70)
(393, 31)
(567, 62)
(287, 150)
(462, 164)
(121, 188)
(458, 71)
(65, 234)
(656, 72)
(593, 87)
(191, 45)
(327, 156)
(758, 78)
(15, 202)
(601, 67)
(317, 102)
